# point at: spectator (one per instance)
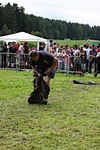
(77, 63)
(42, 46)
(26, 53)
(4, 55)
(87, 48)
(83, 59)
(21, 54)
(12, 55)
(60, 57)
(92, 57)
(97, 66)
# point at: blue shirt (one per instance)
(44, 62)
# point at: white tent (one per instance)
(22, 36)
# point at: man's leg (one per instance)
(47, 80)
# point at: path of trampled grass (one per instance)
(70, 121)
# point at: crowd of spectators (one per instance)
(13, 54)
(83, 58)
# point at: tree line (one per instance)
(14, 19)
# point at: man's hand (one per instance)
(49, 70)
(39, 75)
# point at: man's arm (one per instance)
(55, 61)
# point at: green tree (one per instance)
(21, 18)
(16, 20)
(42, 28)
(5, 30)
(38, 34)
(10, 18)
(1, 16)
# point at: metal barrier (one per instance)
(14, 61)
(76, 65)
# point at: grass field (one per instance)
(78, 42)
(70, 121)
(69, 42)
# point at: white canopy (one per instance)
(22, 36)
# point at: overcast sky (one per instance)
(81, 11)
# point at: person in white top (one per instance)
(21, 54)
(87, 49)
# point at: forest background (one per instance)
(14, 19)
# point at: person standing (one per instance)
(26, 54)
(4, 55)
(92, 58)
(12, 55)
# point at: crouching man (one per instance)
(43, 64)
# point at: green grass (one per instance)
(70, 121)
(78, 42)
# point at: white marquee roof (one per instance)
(22, 36)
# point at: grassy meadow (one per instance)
(69, 42)
(78, 42)
(70, 120)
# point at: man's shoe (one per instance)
(95, 75)
(45, 101)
